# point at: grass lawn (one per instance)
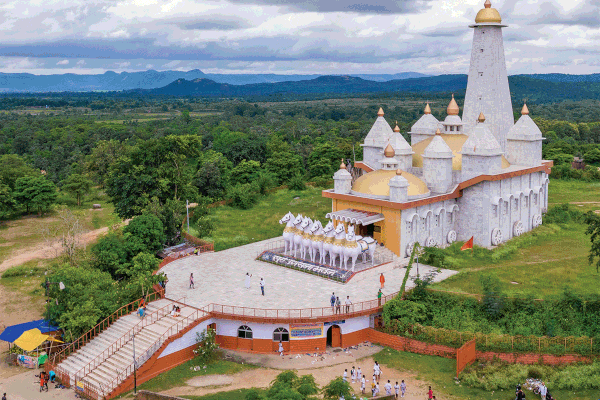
(574, 192)
(24, 232)
(178, 375)
(235, 227)
(440, 372)
(554, 257)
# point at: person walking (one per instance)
(338, 305)
(247, 280)
(376, 371)
(348, 303)
(345, 375)
(430, 394)
(280, 348)
(402, 388)
(4, 396)
(192, 281)
(262, 286)
(388, 388)
(379, 294)
(42, 381)
(363, 381)
(353, 374)
(332, 301)
(382, 280)
(396, 390)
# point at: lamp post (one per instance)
(61, 286)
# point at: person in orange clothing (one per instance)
(382, 280)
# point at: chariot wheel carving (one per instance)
(518, 228)
(409, 248)
(451, 237)
(536, 220)
(430, 242)
(496, 236)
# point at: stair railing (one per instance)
(123, 340)
(145, 356)
(101, 326)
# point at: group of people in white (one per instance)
(357, 376)
(308, 238)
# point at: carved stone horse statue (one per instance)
(355, 247)
(337, 247)
(306, 248)
(329, 232)
(289, 231)
(298, 234)
(318, 236)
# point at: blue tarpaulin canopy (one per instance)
(12, 333)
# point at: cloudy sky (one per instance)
(290, 36)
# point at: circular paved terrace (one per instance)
(219, 279)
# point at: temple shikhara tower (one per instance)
(479, 176)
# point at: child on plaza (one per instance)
(353, 374)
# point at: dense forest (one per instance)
(151, 154)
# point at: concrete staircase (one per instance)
(107, 360)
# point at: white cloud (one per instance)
(63, 62)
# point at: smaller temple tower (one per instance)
(375, 141)
(398, 188)
(424, 128)
(437, 165)
(402, 149)
(342, 180)
(452, 123)
(481, 153)
(524, 141)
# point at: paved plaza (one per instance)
(219, 278)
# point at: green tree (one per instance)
(13, 167)
(185, 116)
(213, 174)
(170, 213)
(110, 253)
(245, 172)
(144, 233)
(35, 192)
(103, 155)
(592, 156)
(282, 162)
(336, 389)
(593, 229)
(78, 185)
(243, 196)
(7, 201)
(142, 265)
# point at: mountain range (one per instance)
(523, 87)
(112, 81)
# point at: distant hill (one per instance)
(112, 81)
(522, 87)
(564, 77)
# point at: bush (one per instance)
(323, 182)
(206, 351)
(265, 181)
(563, 214)
(243, 196)
(297, 183)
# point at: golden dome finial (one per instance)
(396, 128)
(438, 132)
(488, 14)
(481, 117)
(342, 165)
(399, 172)
(525, 110)
(389, 151)
(452, 107)
(427, 109)
(380, 112)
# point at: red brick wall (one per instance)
(262, 345)
(308, 345)
(354, 338)
(415, 346)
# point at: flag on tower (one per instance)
(468, 245)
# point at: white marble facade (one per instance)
(503, 180)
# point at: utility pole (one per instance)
(187, 210)
(134, 368)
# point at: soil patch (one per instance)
(210, 380)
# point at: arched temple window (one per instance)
(281, 335)
(245, 332)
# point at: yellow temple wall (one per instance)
(390, 226)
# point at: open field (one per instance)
(584, 195)
(234, 227)
(155, 117)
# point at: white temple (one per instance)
(479, 176)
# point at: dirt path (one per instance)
(43, 251)
(261, 378)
